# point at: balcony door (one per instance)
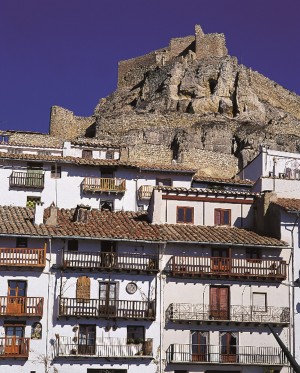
(199, 346)
(16, 297)
(87, 340)
(108, 254)
(228, 346)
(14, 340)
(220, 261)
(107, 297)
(34, 177)
(219, 303)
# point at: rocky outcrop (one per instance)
(192, 103)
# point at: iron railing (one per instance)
(187, 312)
(102, 347)
(245, 355)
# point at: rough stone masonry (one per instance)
(193, 104)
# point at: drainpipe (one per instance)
(162, 314)
(48, 307)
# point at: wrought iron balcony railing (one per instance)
(244, 355)
(258, 269)
(102, 185)
(145, 191)
(21, 306)
(22, 257)
(14, 347)
(187, 312)
(110, 261)
(111, 309)
(27, 179)
(103, 348)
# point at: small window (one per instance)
(185, 215)
(32, 201)
(34, 166)
(108, 246)
(87, 154)
(4, 139)
(222, 217)
(135, 334)
(72, 245)
(107, 206)
(107, 174)
(22, 242)
(259, 301)
(253, 254)
(55, 172)
(109, 154)
(164, 182)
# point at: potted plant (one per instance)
(130, 341)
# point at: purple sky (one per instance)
(65, 52)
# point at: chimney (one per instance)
(39, 213)
(52, 219)
(81, 213)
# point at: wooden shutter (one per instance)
(217, 217)
(83, 288)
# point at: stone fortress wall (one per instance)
(198, 46)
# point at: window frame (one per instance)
(87, 154)
(185, 209)
(136, 334)
(221, 216)
(256, 308)
(55, 172)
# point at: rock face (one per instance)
(193, 103)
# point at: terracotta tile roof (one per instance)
(124, 225)
(205, 191)
(33, 139)
(288, 204)
(214, 234)
(214, 180)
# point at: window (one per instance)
(87, 340)
(229, 344)
(219, 302)
(32, 201)
(199, 345)
(72, 245)
(87, 154)
(4, 139)
(164, 182)
(55, 171)
(109, 154)
(135, 334)
(14, 339)
(253, 254)
(222, 217)
(107, 298)
(259, 301)
(22, 242)
(107, 206)
(185, 215)
(107, 174)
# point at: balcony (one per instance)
(103, 185)
(21, 306)
(22, 257)
(214, 267)
(113, 309)
(242, 355)
(90, 261)
(145, 191)
(28, 179)
(14, 347)
(115, 348)
(247, 315)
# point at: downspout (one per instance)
(292, 328)
(48, 306)
(161, 306)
